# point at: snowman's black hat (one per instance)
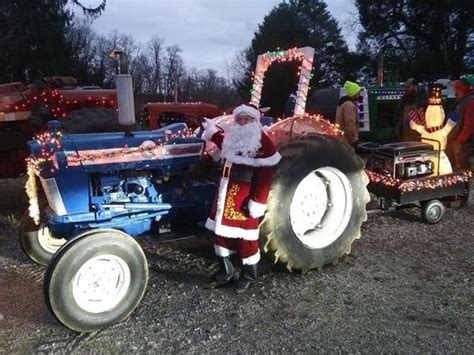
(435, 94)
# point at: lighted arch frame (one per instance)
(304, 54)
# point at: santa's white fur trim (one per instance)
(232, 232)
(222, 194)
(246, 110)
(209, 132)
(256, 209)
(252, 260)
(223, 252)
(269, 161)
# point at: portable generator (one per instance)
(404, 160)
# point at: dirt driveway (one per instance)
(407, 287)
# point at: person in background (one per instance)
(458, 147)
(290, 105)
(347, 114)
(412, 100)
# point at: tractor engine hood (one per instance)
(169, 149)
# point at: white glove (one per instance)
(207, 123)
(256, 209)
(209, 128)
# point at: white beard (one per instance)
(242, 141)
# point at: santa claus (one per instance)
(248, 156)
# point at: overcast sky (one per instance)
(210, 32)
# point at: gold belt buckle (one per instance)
(226, 171)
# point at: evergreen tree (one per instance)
(32, 38)
(428, 39)
(298, 23)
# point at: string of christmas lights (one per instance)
(419, 184)
(49, 142)
(109, 154)
(435, 182)
(290, 128)
(59, 105)
(280, 56)
(387, 180)
(31, 191)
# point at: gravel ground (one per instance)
(406, 287)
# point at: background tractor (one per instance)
(379, 108)
(90, 193)
(25, 110)
(160, 114)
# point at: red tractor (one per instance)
(160, 114)
(25, 110)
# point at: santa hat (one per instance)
(247, 110)
(462, 85)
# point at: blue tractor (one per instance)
(90, 194)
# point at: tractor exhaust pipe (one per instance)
(380, 70)
(124, 87)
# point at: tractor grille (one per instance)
(53, 195)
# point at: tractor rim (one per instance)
(101, 283)
(321, 207)
(47, 241)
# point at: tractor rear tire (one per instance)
(317, 203)
(95, 280)
(91, 120)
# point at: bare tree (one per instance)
(140, 70)
(189, 86)
(238, 67)
(174, 70)
(129, 46)
(81, 39)
(155, 53)
(209, 84)
(104, 64)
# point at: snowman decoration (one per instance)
(434, 131)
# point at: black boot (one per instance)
(248, 276)
(224, 275)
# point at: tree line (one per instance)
(157, 68)
(426, 39)
(45, 38)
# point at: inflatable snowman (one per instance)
(434, 131)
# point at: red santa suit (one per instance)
(242, 195)
(459, 147)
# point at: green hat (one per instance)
(468, 80)
(352, 88)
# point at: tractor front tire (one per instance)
(95, 280)
(37, 241)
(317, 203)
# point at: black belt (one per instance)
(237, 172)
